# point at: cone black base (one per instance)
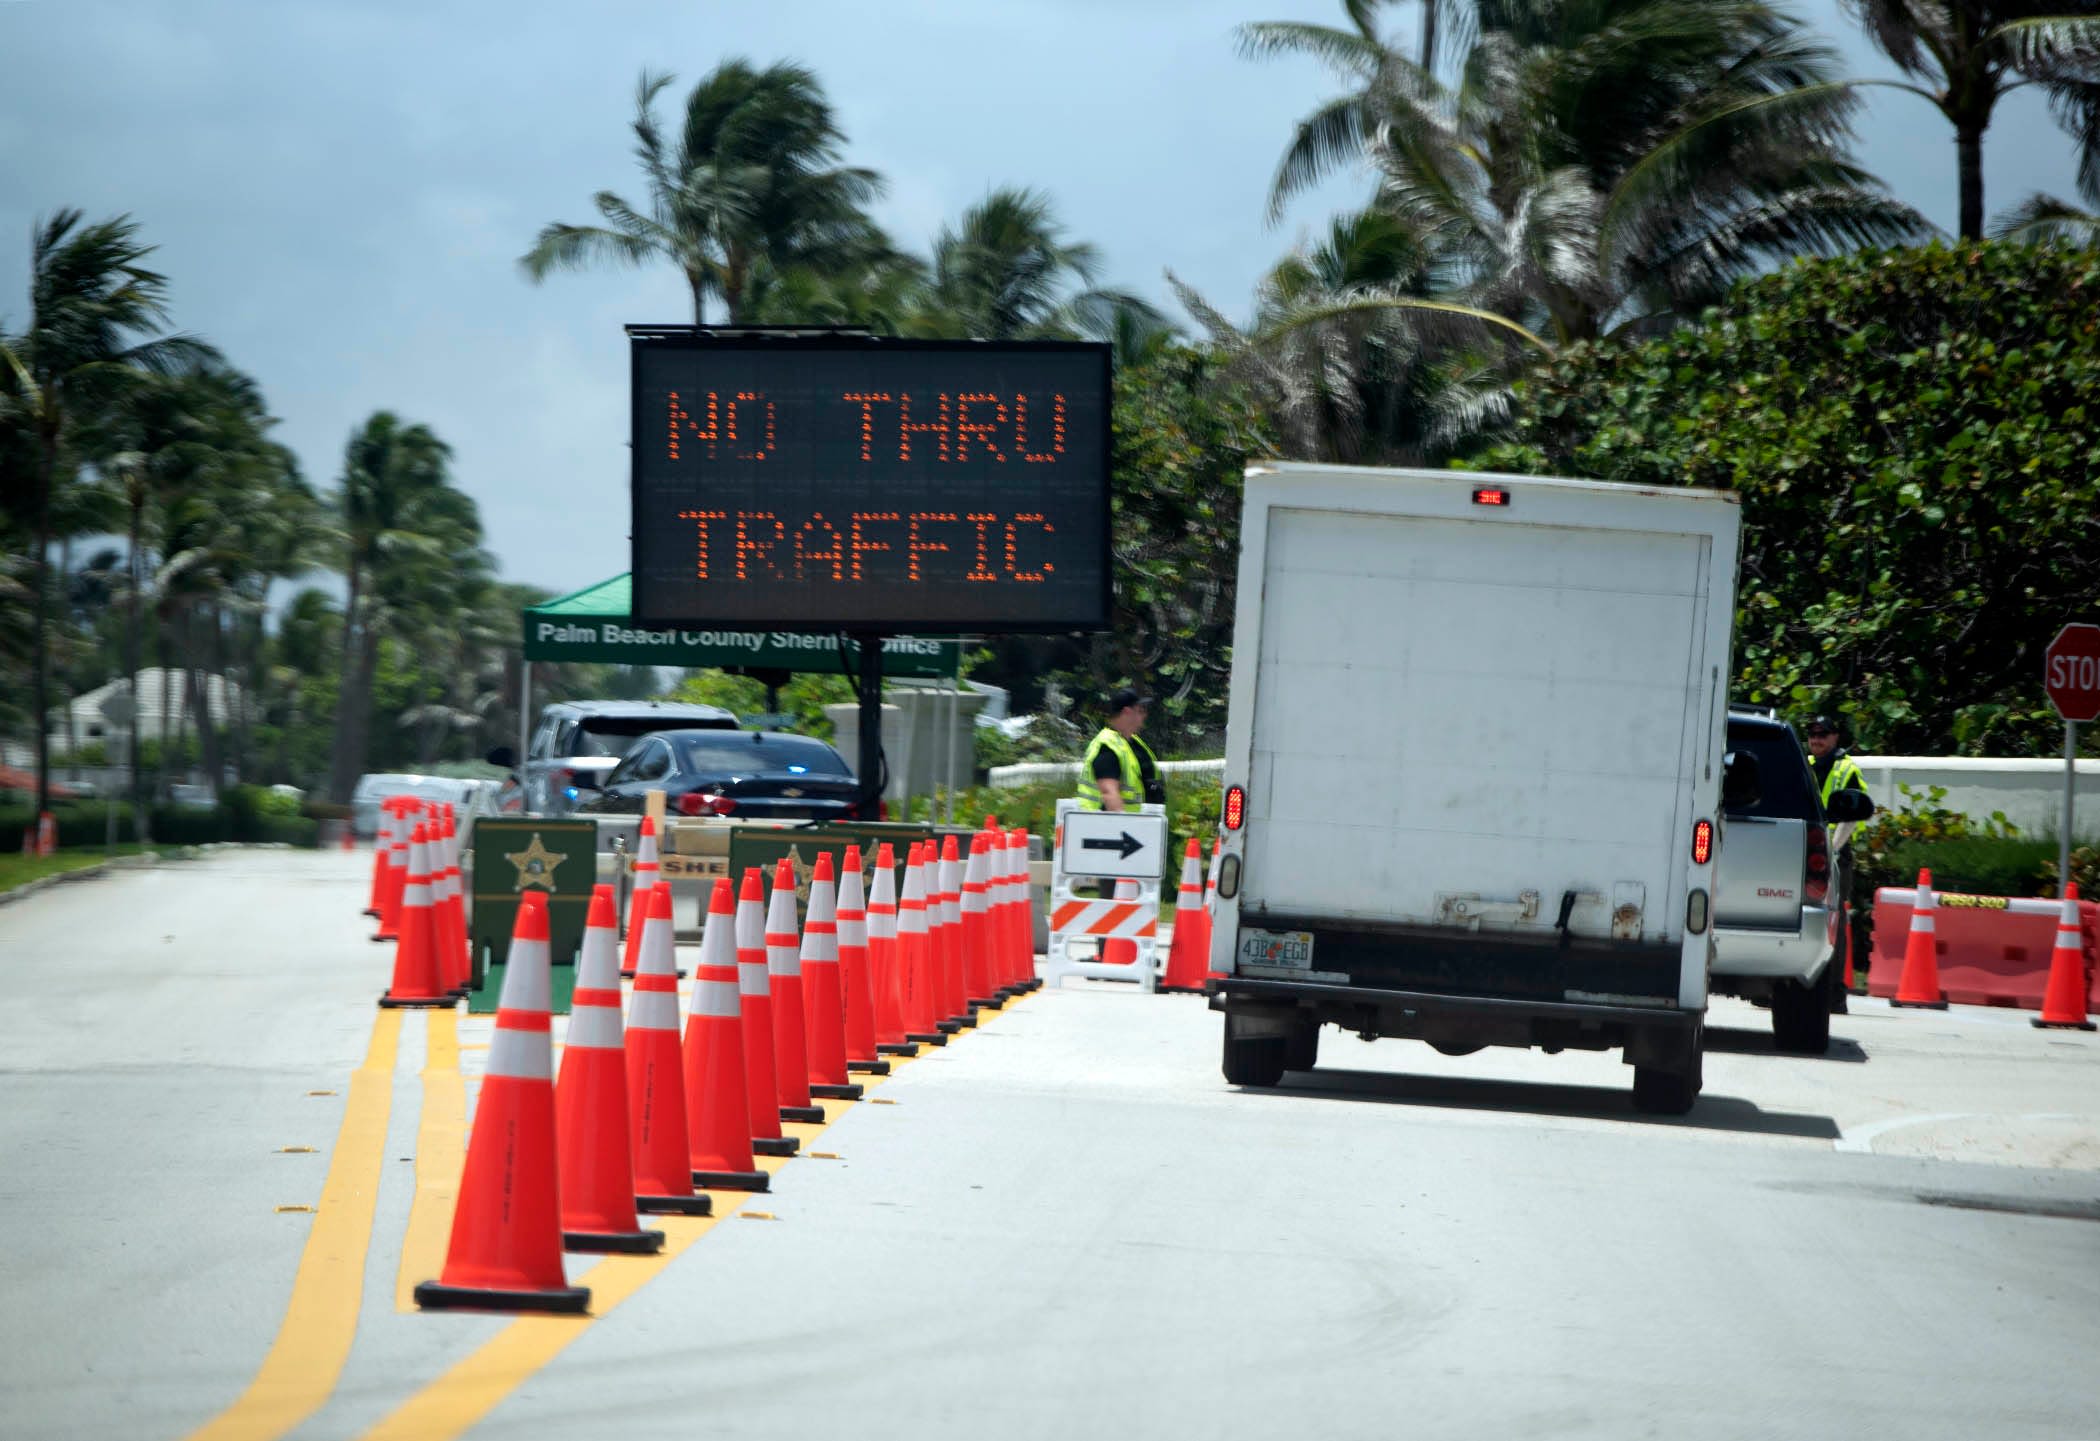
(829, 1092)
(1182, 990)
(564, 1301)
(927, 1038)
(1921, 1005)
(2039, 1025)
(775, 1145)
(629, 1243)
(630, 975)
(372, 913)
(420, 1003)
(808, 1115)
(675, 1205)
(987, 1003)
(733, 1180)
(870, 1068)
(950, 1026)
(896, 1048)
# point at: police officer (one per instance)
(1835, 771)
(1119, 771)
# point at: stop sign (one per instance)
(2071, 672)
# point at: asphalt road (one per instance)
(1063, 1224)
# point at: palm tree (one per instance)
(95, 317)
(396, 512)
(1970, 54)
(1613, 163)
(750, 182)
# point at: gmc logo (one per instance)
(1774, 893)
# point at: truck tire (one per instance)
(1255, 1060)
(1301, 1048)
(1660, 1092)
(1801, 1016)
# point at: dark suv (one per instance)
(578, 742)
(1779, 931)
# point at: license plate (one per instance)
(1277, 950)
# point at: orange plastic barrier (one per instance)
(1993, 951)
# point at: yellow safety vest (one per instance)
(1844, 772)
(1126, 757)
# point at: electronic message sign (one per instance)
(857, 483)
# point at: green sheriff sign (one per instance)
(511, 857)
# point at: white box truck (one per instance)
(1474, 767)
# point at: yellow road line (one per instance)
(440, 1153)
(306, 1358)
(463, 1396)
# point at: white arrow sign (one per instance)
(1125, 844)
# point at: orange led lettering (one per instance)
(906, 425)
(917, 547)
(709, 432)
(748, 545)
(983, 430)
(1057, 430)
(861, 545)
(702, 516)
(1013, 549)
(982, 570)
(742, 397)
(867, 400)
(804, 556)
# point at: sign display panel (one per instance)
(875, 485)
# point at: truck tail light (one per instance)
(1235, 807)
(1702, 843)
(1815, 889)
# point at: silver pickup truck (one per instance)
(1779, 931)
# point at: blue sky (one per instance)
(339, 192)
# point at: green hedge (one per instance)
(238, 817)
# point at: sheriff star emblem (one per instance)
(535, 865)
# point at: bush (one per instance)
(239, 817)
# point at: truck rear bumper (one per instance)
(1796, 955)
(1303, 995)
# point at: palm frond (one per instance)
(2044, 217)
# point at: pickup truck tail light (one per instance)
(1815, 887)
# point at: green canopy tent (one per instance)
(597, 624)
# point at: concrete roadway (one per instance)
(1064, 1224)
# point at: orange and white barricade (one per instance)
(1091, 921)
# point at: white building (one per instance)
(100, 716)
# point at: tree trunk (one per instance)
(167, 710)
(342, 774)
(139, 815)
(1429, 19)
(1968, 151)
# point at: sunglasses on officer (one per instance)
(1814, 731)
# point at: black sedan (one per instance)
(761, 775)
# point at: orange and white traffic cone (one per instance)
(916, 969)
(648, 871)
(755, 1004)
(1024, 913)
(450, 917)
(1919, 984)
(2063, 1001)
(656, 1087)
(885, 963)
(505, 1253)
(418, 983)
(1001, 896)
(396, 879)
(790, 1021)
(823, 999)
(590, 1101)
(856, 998)
(1188, 954)
(717, 1082)
(382, 860)
(976, 934)
(945, 911)
(46, 834)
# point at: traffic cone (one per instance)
(790, 1020)
(717, 1082)
(976, 948)
(2063, 1002)
(755, 1005)
(46, 834)
(1188, 955)
(590, 1101)
(647, 872)
(450, 916)
(999, 914)
(655, 1072)
(1024, 913)
(505, 1253)
(822, 999)
(885, 984)
(396, 880)
(418, 984)
(1919, 985)
(856, 998)
(947, 933)
(382, 860)
(916, 968)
